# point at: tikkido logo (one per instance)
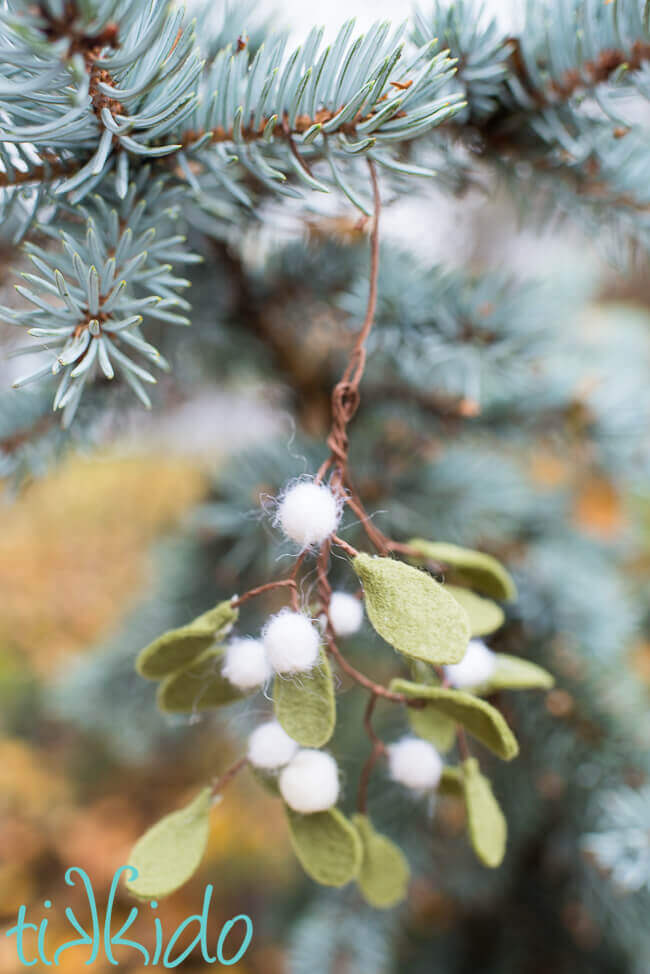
(96, 937)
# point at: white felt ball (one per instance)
(270, 747)
(476, 667)
(346, 613)
(245, 664)
(414, 763)
(291, 641)
(310, 782)
(308, 513)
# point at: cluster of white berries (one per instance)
(308, 779)
(475, 668)
(290, 643)
(308, 513)
(415, 763)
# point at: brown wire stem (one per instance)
(378, 749)
(461, 733)
(291, 582)
(463, 743)
(345, 395)
(375, 688)
(228, 775)
(347, 548)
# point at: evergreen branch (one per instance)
(106, 95)
(568, 46)
(574, 80)
(481, 50)
(280, 114)
(89, 299)
(9, 444)
(45, 172)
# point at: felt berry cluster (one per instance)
(432, 602)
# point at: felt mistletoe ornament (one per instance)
(432, 602)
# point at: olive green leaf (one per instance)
(384, 874)
(327, 846)
(171, 851)
(177, 648)
(411, 611)
(433, 726)
(484, 615)
(200, 686)
(304, 705)
(479, 718)
(451, 782)
(486, 824)
(478, 570)
(513, 673)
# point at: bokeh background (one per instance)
(543, 338)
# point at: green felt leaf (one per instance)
(513, 673)
(411, 611)
(327, 846)
(177, 648)
(488, 829)
(484, 615)
(480, 571)
(305, 705)
(200, 686)
(478, 717)
(451, 782)
(384, 874)
(433, 726)
(171, 851)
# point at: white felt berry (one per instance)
(270, 747)
(245, 664)
(414, 763)
(346, 613)
(291, 641)
(310, 782)
(476, 667)
(308, 513)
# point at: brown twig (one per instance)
(375, 688)
(295, 605)
(376, 537)
(250, 133)
(235, 603)
(347, 548)
(292, 146)
(324, 587)
(345, 395)
(228, 775)
(13, 442)
(55, 169)
(377, 750)
(463, 743)
(590, 73)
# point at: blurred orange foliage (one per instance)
(73, 550)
